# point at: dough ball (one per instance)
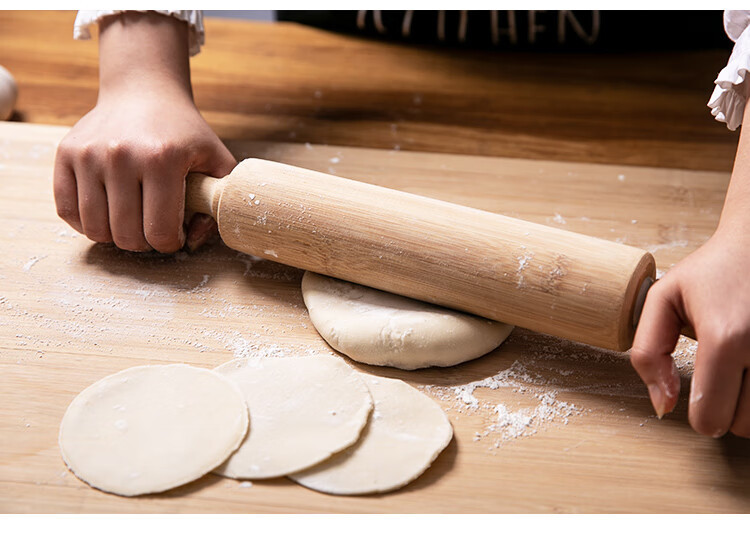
(405, 434)
(302, 411)
(150, 428)
(8, 93)
(385, 329)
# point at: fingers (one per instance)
(716, 384)
(125, 203)
(92, 202)
(132, 192)
(65, 190)
(655, 340)
(164, 207)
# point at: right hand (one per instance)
(120, 172)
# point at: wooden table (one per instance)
(581, 437)
(284, 82)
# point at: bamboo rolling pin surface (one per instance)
(537, 277)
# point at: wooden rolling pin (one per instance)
(541, 278)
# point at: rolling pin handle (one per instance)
(202, 194)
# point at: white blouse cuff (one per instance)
(194, 19)
(727, 103)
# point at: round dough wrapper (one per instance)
(385, 329)
(150, 428)
(406, 432)
(302, 411)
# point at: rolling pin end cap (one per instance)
(641, 299)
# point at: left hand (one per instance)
(710, 292)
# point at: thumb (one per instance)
(200, 229)
(218, 162)
(215, 161)
(655, 340)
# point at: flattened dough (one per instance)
(150, 428)
(384, 329)
(405, 434)
(302, 411)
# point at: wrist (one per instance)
(141, 53)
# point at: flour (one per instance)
(256, 345)
(96, 306)
(33, 261)
(502, 424)
(200, 286)
(684, 354)
(560, 220)
(668, 245)
(523, 262)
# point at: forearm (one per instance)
(143, 51)
(736, 212)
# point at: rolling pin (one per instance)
(545, 279)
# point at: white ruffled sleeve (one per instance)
(727, 103)
(194, 19)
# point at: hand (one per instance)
(710, 292)
(120, 172)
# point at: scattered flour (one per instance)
(668, 245)
(97, 307)
(558, 219)
(256, 346)
(523, 262)
(501, 423)
(31, 262)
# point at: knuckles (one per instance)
(734, 335)
(153, 154)
(641, 358)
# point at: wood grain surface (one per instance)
(573, 427)
(284, 82)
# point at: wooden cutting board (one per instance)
(540, 424)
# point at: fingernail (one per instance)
(657, 399)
